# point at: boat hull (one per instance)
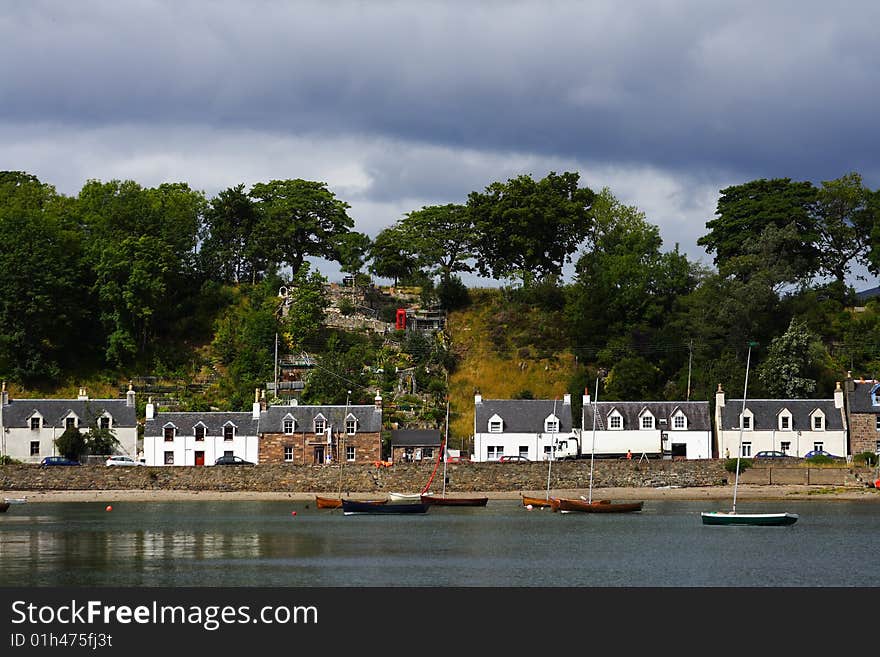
(583, 506)
(336, 503)
(351, 507)
(536, 501)
(760, 519)
(405, 497)
(454, 501)
(4, 506)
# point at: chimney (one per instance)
(478, 398)
(838, 396)
(263, 404)
(377, 401)
(129, 396)
(719, 397)
(585, 400)
(83, 396)
(151, 410)
(566, 399)
(257, 407)
(4, 396)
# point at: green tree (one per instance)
(298, 219)
(632, 378)
(745, 212)
(528, 229)
(845, 216)
(789, 369)
(441, 239)
(72, 444)
(391, 257)
(101, 441)
(307, 303)
(353, 249)
(228, 251)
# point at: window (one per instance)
(551, 425)
(350, 426)
(784, 422)
(746, 449)
(548, 450)
(524, 451)
(349, 453)
(495, 425)
(35, 424)
(288, 453)
(69, 422)
(169, 458)
(320, 425)
(785, 446)
(746, 421)
(169, 434)
(200, 432)
(678, 422)
(427, 452)
(35, 448)
(494, 452)
(877, 422)
(877, 447)
(104, 422)
(818, 422)
(818, 447)
(228, 432)
(288, 425)
(648, 422)
(615, 422)
(228, 452)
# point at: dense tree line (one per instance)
(131, 279)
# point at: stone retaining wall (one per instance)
(410, 477)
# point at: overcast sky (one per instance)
(397, 105)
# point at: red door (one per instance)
(200, 458)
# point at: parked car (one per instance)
(513, 459)
(122, 460)
(231, 460)
(821, 452)
(772, 454)
(58, 460)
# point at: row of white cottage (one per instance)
(536, 428)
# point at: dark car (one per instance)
(771, 454)
(820, 452)
(513, 459)
(231, 460)
(58, 460)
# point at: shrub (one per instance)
(868, 459)
(744, 464)
(820, 459)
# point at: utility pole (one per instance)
(690, 360)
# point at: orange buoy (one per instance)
(877, 484)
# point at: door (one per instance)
(200, 458)
(319, 454)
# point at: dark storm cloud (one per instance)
(757, 89)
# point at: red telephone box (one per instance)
(400, 325)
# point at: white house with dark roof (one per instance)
(793, 426)
(532, 428)
(200, 438)
(29, 427)
(679, 429)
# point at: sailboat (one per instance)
(587, 505)
(530, 501)
(732, 517)
(443, 500)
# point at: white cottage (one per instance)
(793, 426)
(676, 429)
(200, 438)
(532, 428)
(29, 427)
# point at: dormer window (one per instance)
(70, 422)
(746, 421)
(679, 421)
(104, 422)
(229, 432)
(35, 423)
(615, 421)
(350, 425)
(496, 424)
(551, 424)
(817, 420)
(288, 425)
(200, 432)
(169, 432)
(320, 425)
(785, 421)
(647, 421)
(875, 395)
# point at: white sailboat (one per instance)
(732, 517)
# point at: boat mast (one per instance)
(593, 447)
(443, 446)
(742, 413)
(552, 451)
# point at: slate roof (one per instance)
(17, 411)
(416, 438)
(860, 398)
(245, 424)
(765, 413)
(697, 413)
(522, 415)
(368, 418)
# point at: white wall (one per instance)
(18, 442)
(511, 443)
(833, 441)
(185, 447)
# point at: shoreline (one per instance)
(744, 491)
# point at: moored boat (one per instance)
(762, 519)
(405, 497)
(4, 506)
(336, 502)
(351, 507)
(601, 506)
(15, 500)
(536, 501)
(438, 500)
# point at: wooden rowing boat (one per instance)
(351, 507)
(566, 505)
(536, 501)
(4, 506)
(336, 503)
(442, 500)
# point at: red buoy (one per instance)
(109, 508)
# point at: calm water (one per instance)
(503, 544)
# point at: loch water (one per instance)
(294, 544)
